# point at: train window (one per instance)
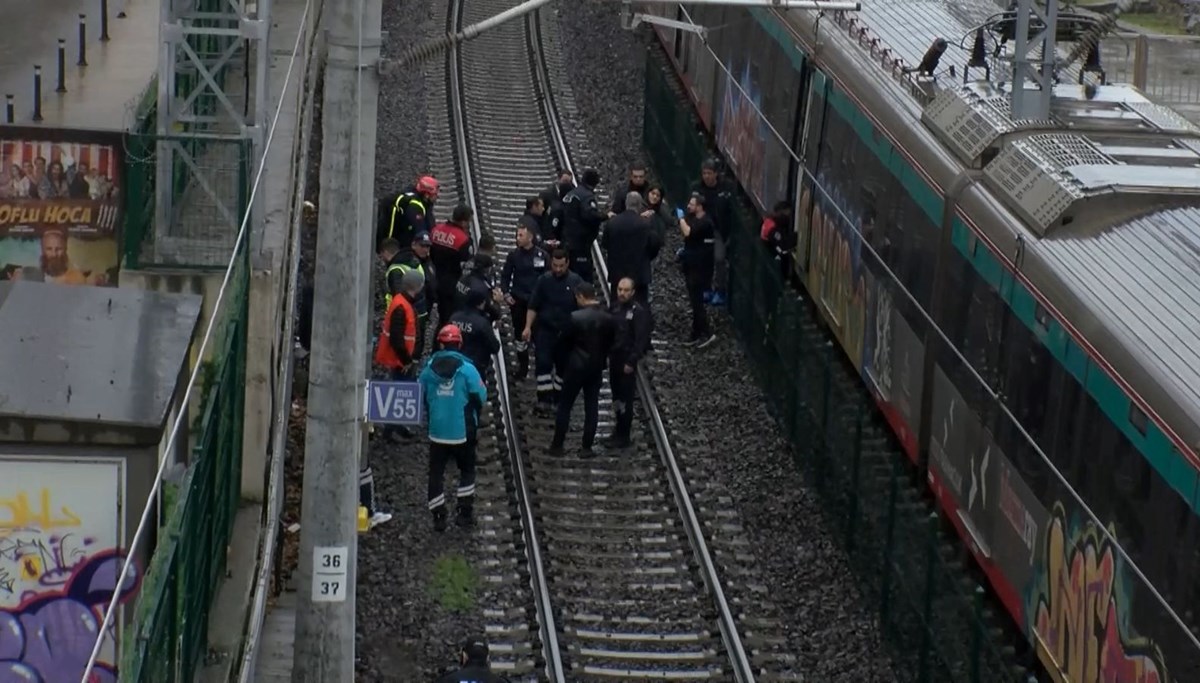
(1027, 374)
(1137, 418)
(972, 243)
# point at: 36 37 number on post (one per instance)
(330, 571)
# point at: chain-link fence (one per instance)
(1166, 68)
(167, 641)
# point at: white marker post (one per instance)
(330, 570)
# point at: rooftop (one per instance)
(92, 354)
(102, 95)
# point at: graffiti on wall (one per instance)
(60, 560)
(741, 132)
(1081, 606)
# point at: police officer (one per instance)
(521, 270)
(397, 341)
(475, 667)
(452, 247)
(552, 199)
(631, 241)
(581, 223)
(479, 339)
(718, 204)
(534, 217)
(637, 183)
(454, 398)
(401, 261)
(550, 307)
(632, 342)
(585, 345)
(699, 235)
(481, 278)
(403, 215)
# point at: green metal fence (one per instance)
(167, 640)
(932, 614)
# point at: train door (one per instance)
(807, 135)
(682, 43)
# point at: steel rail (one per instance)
(739, 660)
(533, 551)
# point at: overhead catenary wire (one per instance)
(143, 524)
(993, 395)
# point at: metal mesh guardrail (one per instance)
(932, 613)
(167, 639)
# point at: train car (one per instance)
(1022, 298)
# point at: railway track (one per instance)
(596, 569)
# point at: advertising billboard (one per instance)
(62, 537)
(60, 206)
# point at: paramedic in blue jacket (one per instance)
(454, 397)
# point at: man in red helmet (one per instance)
(454, 396)
(403, 215)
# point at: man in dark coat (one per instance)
(630, 241)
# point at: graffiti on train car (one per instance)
(836, 275)
(1081, 609)
(742, 133)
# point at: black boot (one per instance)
(466, 512)
(439, 518)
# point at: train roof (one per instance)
(1108, 185)
(1144, 275)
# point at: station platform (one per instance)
(100, 96)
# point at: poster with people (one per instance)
(60, 206)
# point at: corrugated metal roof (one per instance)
(908, 27)
(92, 354)
(1143, 278)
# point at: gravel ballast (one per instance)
(807, 575)
(404, 632)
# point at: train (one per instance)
(1021, 297)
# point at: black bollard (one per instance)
(37, 93)
(10, 109)
(104, 20)
(82, 40)
(62, 65)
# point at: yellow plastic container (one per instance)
(364, 522)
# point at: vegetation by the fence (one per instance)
(167, 640)
(933, 615)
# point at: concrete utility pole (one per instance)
(334, 443)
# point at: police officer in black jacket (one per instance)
(630, 240)
(550, 307)
(475, 667)
(585, 344)
(699, 236)
(479, 339)
(534, 217)
(636, 183)
(523, 266)
(581, 223)
(632, 342)
(718, 204)
(480, 278)
(552, 199)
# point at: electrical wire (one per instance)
(928, 319)
(143, 525)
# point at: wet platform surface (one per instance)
(100, 96)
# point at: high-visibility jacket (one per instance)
(401, 205)
(385, 355)
(419, 303)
